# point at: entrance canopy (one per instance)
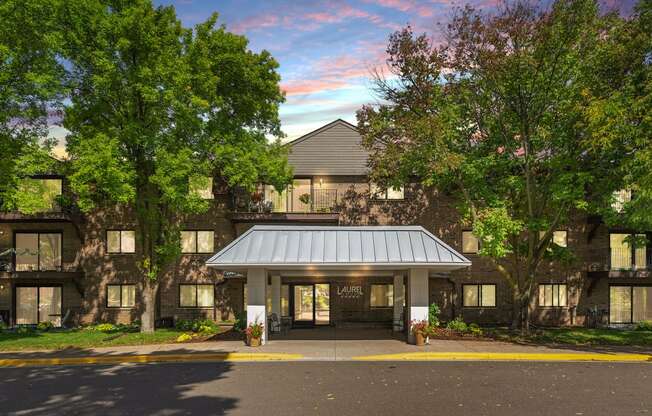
(287, 247)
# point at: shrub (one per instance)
(475, 330)
(644, 326)
(196, 325)
(184, 337)
(433, 314)
(458, 325)
(106, 328)
(24, 330)
(240, 323)
(45, 326)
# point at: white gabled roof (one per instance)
(381, 247)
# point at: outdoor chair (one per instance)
(274, 323)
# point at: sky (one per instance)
(327, 49)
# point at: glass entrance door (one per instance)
(38, 304)
(304, 304)
(311, 304)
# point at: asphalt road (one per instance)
(331, 388)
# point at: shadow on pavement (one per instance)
(142, 389)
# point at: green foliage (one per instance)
(109, 328)
(457, 325)
(644, 326)
(496, 116)
(240, 323)
(255, 330)
(32, 80)
(184, 338)
(197, 325)
(45, 326)
(475, 330)
(433, 314)
(24, 330)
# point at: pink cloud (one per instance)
(406, 6)
(311, 86)
(256, 22)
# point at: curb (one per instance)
(488, 356)
(140, 359)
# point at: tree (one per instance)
(156, 108)
(494, 116)
(31, 90)
(619, 114)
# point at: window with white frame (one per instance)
(470, 243)
(121, 296)
(197, 241)
(390, 193)
(121, 241)
(479, 295)
(552, 295)
(196, 295)
(382, 296)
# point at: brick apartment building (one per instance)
(67, 268)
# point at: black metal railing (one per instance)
(628, 259)
(321, 201)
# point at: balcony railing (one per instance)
(627, 259)
(321, 201)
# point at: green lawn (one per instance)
(577, 336)
(77, 338)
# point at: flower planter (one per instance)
(254, 342)
(419, 339)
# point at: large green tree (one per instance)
(31, 89)
(619, 113)
(496, 116)
(155, 108)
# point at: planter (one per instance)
(419, 339)
(254, 342)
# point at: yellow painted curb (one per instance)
(123, 359)
(490, 356)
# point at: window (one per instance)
(470, 243)
(628, 251)
(196, 296)
(630, 304)
(49, 188)
(202, 186)
(559, 237)
(479, 296)
(552, 295)
(278, 200)
(121, 241)
(285, 300)
(38, 251)
(197, 241)
(120, 296)
(390, 193)
(620, 198)
(382, 296)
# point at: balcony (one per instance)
(320, 206)
(624, 263)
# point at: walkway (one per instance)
(326, 345)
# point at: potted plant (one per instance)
(305, 199)
(421, 330)
(254, 334)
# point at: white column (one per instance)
(256, 298)
(417, 297)
(399, 296)
(276, 295)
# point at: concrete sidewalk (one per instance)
(323, 350)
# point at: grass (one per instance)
(577, 336)
(78, 338)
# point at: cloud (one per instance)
(406, 6)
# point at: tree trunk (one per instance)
(148, 316)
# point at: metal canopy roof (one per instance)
(372, 247)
